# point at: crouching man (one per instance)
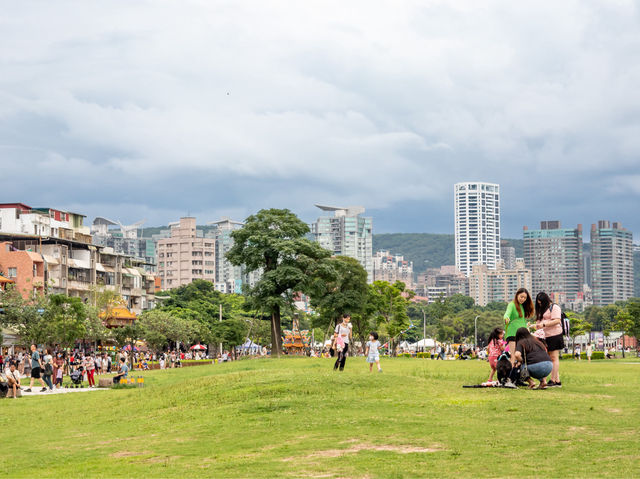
(123, 372)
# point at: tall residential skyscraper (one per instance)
(554, 256)
(228, 277)
(185, 256)
(477, 225)
(346, 233)
(611, 263)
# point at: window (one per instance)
(13, 272)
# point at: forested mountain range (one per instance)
(426, 250)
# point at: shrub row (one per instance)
(594, 355)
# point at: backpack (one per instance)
(564, 322)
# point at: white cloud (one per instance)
(372, 104)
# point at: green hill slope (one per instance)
(295, 417)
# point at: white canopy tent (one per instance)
(427, 343)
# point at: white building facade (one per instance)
(346, 233)
(477, 225)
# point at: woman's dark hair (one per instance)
(528, 304)
(495, 335)
(374, 334)
(528, 340)
(543, 302)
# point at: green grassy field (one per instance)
(297, 418)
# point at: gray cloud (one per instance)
(156, 109)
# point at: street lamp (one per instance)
(475, 329)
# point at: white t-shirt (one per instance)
(344, 331)
(373, 347)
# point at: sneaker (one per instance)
(379, 370)
(27, 390)
(558, 384)
(43, 390)
(510, 385)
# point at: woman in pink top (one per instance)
(549, 319)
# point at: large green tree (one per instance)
(388, 305)
(65, 319)
(25, 316)
(345, 290)
(273, 242)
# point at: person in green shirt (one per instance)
(515, 317)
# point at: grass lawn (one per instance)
(295, 417)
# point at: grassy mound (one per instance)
(295, 417)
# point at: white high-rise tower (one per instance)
(477, 225)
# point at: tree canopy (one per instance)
(273, 242)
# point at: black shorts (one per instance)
(35, 373)
(554, 343)
(510, 339)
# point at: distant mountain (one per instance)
(426, 250)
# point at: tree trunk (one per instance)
(276, 333)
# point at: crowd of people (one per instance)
(531, 341)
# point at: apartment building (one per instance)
(554, 256)
(346, 233)
(477, 225)
(49, 250)
(185, 256)
(20, 219)
(611, 263)
(24, 268)
(441, 283)
(228, 278)
(124, 240)
(499, 285)
(78, 270)
(392, 268)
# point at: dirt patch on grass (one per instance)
(354, 449)
(161, 459)
(577, 429)
(121, 454)
(614, 410)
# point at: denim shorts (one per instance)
(540, 370)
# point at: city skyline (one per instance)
(110, 117)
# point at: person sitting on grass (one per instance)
(13, 380)
(531, 351)
(123, 372)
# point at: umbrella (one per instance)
(198, 346)
(128, 348)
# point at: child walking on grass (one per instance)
(496, 345)
(373, 355)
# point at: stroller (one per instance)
(76, 377)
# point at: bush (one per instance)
(404, 355)
(594, 355)
(424, 355)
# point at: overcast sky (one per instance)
(158, 109)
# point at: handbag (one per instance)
(524, 370)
